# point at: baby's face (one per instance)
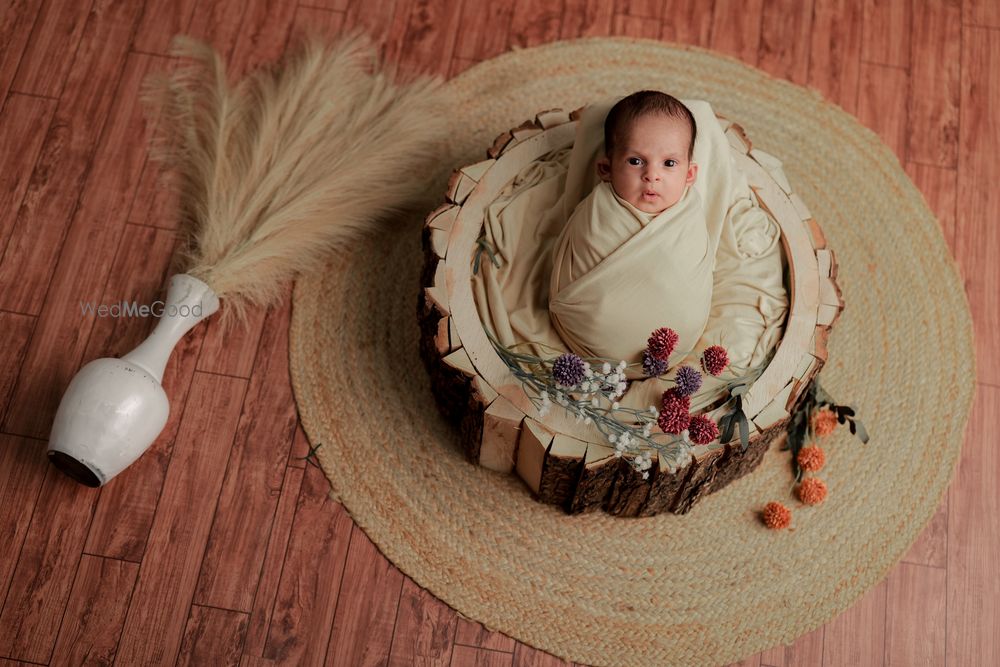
(650, 170)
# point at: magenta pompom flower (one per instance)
(652, 366)
(702, 430)
(661, 343)
(675, 413)
(688, 381)
(568, 370)
(714, 360)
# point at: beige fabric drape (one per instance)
(746, 302)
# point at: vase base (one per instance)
(74, 469)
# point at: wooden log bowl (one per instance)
(568, 463)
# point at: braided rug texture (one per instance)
(715, 585)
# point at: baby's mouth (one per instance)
(650, 195)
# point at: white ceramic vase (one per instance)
(114, 409)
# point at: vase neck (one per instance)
(189, 301)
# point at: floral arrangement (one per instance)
(589, 389)
(816, 417)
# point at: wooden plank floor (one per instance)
(221, 545)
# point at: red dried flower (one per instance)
(675, 412)
(824, 422)
(714, 359)
(776, 516)
(812, 491)
(661, 343)
(812, 458)
(702, 430)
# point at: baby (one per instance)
(648, 145)
(634, 254)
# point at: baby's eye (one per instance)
(671, 163)
(634, 161)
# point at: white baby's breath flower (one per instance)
(618, 454)
(588, 372)
(612, 437)
(621, 388)
(645, 475)
(622, 365)
(606, 368)
(647, 429)
(654, 411)
(545, 409)
(588, 420)
(614, 406)
(595, 401)
(613, 378)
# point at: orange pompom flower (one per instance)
(824, 422)
(812, 491)
(812, 458)
(776, 516)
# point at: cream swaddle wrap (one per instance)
(619, 273)
(524, 223)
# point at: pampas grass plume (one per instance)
(290, 163)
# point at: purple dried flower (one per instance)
(652, 366)
(688, 381)
(568, 370)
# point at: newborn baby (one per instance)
(635, 254)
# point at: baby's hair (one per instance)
(642, 103)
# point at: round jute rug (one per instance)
(715, 585)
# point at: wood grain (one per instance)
(857, 636)
(635, 26)
(17, 18)
(161, 20)
(267, 584)
(484, 28)
(23, 125)
(586, 18)
(60, 337)
(467, 656)
(17, 332)
(784, 39)
(472, 633)
(425, 629)
(535, 22)
(22, 468)
(806, 650)
(307, 594)
(95, 612)
(55, 35)
(887, 29)
(56, 183)
(981, 13)
(916, 616)
(687, 22)
(940, 189)
(526, 656)
(973, 579)
(429, 39)
(40, 587)
(251, 488)
(935, 82)
(835, 51)
(977, 242)
(212, 637)
(736, 28)
(159, 609)
(366, 607)
(882, 104)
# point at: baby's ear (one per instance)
(692, 173)
(604, 168)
